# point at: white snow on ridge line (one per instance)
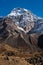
(12, 14)
(26, 10)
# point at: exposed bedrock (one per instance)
(15, 39)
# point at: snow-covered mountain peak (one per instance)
(27, 14)
(18, 11)
(24, 19)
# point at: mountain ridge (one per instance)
(22, 22)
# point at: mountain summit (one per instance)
(26, 20)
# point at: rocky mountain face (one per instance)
(3, 31)
(21, 28)
(26, 20)
(21, 38)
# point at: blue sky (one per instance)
(36, 6)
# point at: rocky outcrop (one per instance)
(3, 30)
